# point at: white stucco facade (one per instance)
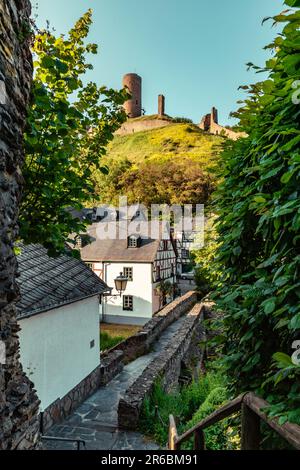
(60, 348)
(140, 288)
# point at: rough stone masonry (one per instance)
(19, 427)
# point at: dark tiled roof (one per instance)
(47, 283)
(117, 249)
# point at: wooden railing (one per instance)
(251, 407)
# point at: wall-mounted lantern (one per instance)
(121, 284)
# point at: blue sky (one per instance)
(192, 51)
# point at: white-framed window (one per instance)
(128, 302)
(128, 272)
(132, 242)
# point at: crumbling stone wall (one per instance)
(131, 126)
(19, 427)
(210, 123)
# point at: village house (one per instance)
(59, 319)
(184, 239)
(185, 243)
(148, 263)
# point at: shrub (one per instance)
(215, 436)
(183, 120)
(183, 404)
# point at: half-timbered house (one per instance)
(148, 262)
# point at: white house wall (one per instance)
(140, 288)
(55, 348)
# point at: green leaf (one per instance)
(269, 306)
(295, 322)
(259, 199)
(287, 176)
(283, 359)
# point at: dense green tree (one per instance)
(157, 180)
(70, 123)
(108, 188)
(259, 229)
(207, 273)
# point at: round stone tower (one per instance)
(133, 82)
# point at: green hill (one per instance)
(173, 141)
(171, 165)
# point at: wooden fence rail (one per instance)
(252, 410)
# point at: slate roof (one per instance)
(132, 212)
(48, 283)
(117, 249)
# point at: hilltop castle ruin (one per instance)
(133, 83)
(210, 123)
(134, 109)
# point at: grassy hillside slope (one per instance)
(174, 141)
(170, 165)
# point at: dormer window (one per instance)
(78, 242)
(133, 241)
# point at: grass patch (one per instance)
(108, 342)
(119, 330)
(111, 335)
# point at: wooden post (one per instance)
(172, 445)
(250, 429)
(199, 440)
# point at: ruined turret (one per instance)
(133, 83)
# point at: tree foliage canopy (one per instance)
(259, 229)
(69, 125)
(155, 181)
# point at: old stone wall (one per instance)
(132, 126)
(140, 343)
(220, 130)
(19, 427)
(63, 407)
(184, 350)
(210, 123)
(111, 365)
(58, 411)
